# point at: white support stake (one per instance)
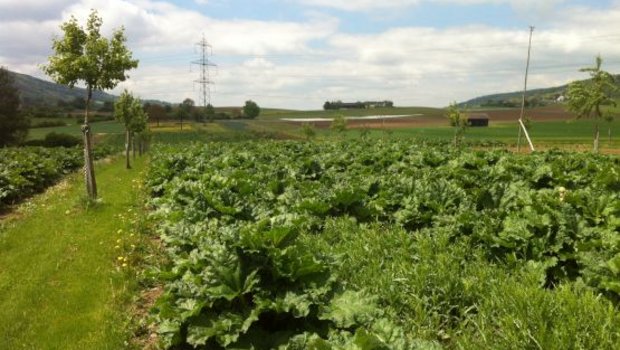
(527, 135)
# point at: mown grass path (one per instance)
(62, 285)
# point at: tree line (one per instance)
(188, 111)
(335, 105)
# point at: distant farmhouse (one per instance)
(478, 119)
(335, 105)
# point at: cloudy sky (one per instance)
(300, 53)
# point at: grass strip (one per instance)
(63, 283)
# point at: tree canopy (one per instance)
(156, 112)
(339, 124)
(457, 120)
(251, 109)
(129, 111)
(83, 55)
(13, 125)
(210, 112)
(586, 98)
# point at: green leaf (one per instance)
(366, 341)
(350, 309)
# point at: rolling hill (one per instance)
(37, 92)
(535, 97)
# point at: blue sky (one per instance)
(300, 53)
(426, 13)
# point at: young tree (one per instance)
(185, 110)
(609, 118)
(585, 98)
(83, 55)
(198, 114)
(457, 120)
(13, 124)
(308, 130)
(251, 109)
(339, 124)
(364, 132)
(156, 112)
(128, 110)
(138, 127)
(210, 112)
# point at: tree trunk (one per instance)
(89, 168)
(133, 145)
(596, 137)
(609, 135)
(127, 145)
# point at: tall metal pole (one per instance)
(204, 64)
(522, 127)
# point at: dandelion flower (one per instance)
(562, 192)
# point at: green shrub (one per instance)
(54, 139)
(46, 123)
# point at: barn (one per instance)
(478, 119)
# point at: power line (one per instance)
(321, 55)
(204, 65)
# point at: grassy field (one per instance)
(271, 114)
(561, 133)
(106, 127)
(62, 283)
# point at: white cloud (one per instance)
(360, 5)
(31, 9)
(525, 7)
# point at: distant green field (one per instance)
(107, 127)
(554, 132)
(577, 132)
(271, 114)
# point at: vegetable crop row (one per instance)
(231, 214)
(28, 170)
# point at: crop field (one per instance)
(25, 171)
(385, 245)
(378, 237)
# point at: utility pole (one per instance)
(204, 65)
(522, 127)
